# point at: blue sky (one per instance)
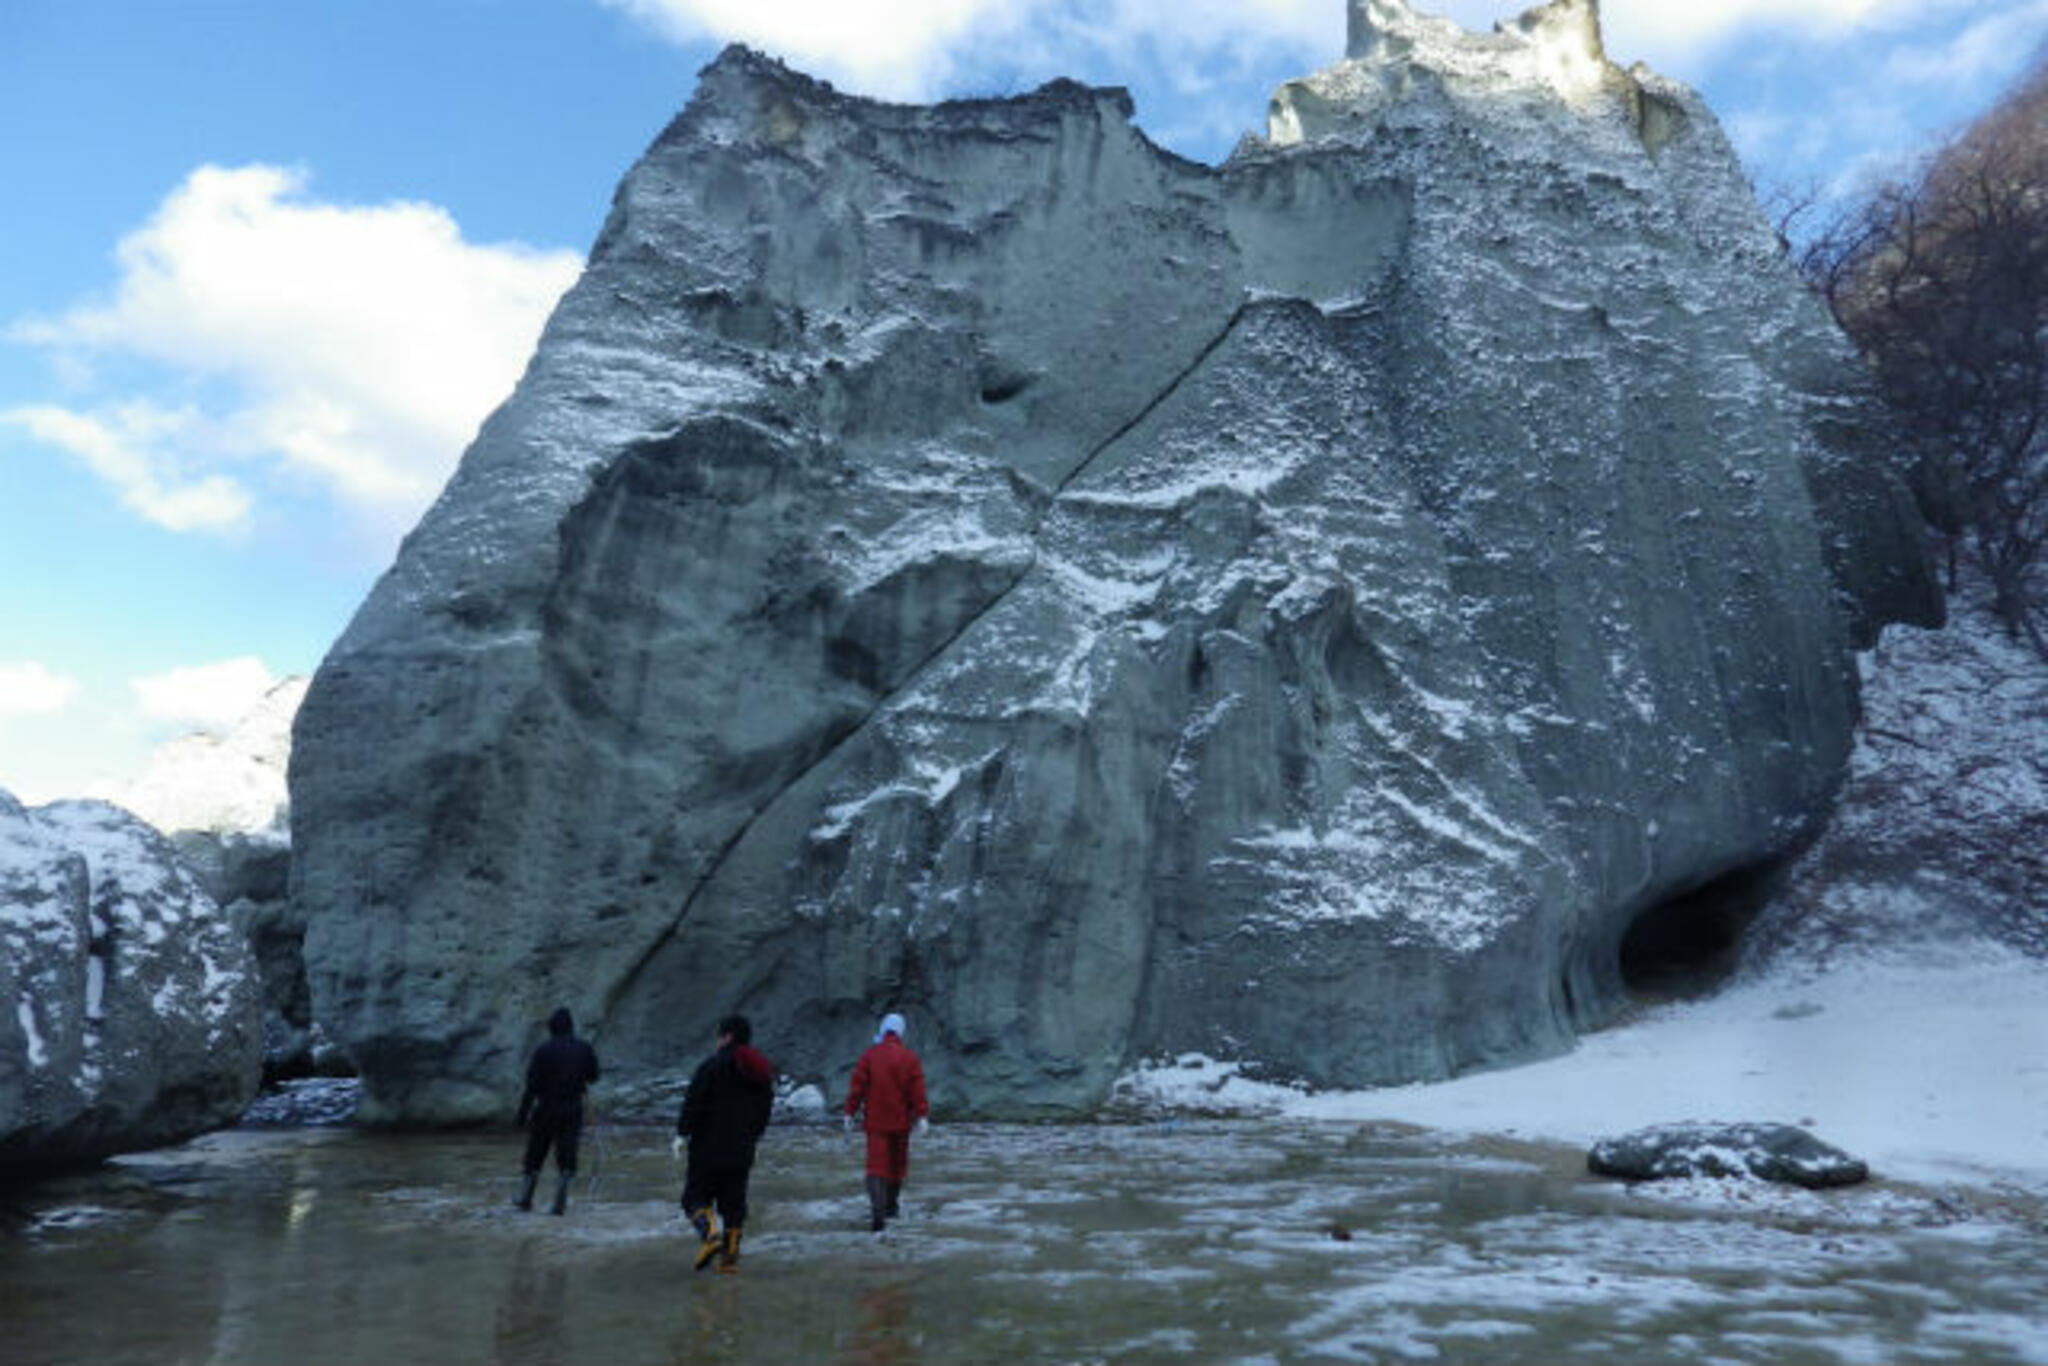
(265, 264)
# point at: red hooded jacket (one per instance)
(889, 1081)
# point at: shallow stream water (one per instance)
(1241, 1240)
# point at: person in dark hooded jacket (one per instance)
(724, 1112)
(551, 1106)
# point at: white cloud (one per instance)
(359, 346)
(1204, 56)
(913, 48)
(909, 48)
(1834, 113)
(134, 448)
(1214, 30)
(212, 696)
(1984, 53)
(28, 688)
(1661, 29)
(894, 48)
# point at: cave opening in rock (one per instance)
(1689, 945)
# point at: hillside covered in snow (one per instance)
(227, 783)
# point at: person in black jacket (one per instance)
(551, 1107)
(723, 1114)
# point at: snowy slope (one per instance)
(228, 783)
(1928, 1069)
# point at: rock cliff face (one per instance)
(968, 560)
(249, 878)
(132, 1016)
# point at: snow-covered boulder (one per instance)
(132, 1016)
(966, 559)
(1768, 1152)
(222, 799)
(249, 875)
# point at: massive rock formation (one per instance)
(132, 1016)
(968, 560)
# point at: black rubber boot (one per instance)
(878, 1204)
(526, 1185)
(562, 1184)
(894, 1209)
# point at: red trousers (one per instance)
(889, 1156)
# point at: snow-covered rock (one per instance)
(222, 799)
(1768, 1152)
(968, 560)
(132, 1017)
(249, 875)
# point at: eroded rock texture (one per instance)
(966, 559)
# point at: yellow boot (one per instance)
(729, 1258)
(712, 1243)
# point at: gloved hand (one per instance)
(675, 1147)
(847, 1123)
(924, 1126)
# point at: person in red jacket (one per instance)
(888, 1085)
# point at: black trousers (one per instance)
(563, 1135)
(723, 1184)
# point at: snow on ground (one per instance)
(1931, 1072)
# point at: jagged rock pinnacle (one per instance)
(1573, 24)
(1551, 52)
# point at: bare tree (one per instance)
(1943, 283)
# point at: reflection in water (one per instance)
(887, 1336)
(1200, 1242)
(530, 1314)
(710, 1319)
(304, 1201)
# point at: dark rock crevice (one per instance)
(839, 649)
(1690, 944)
